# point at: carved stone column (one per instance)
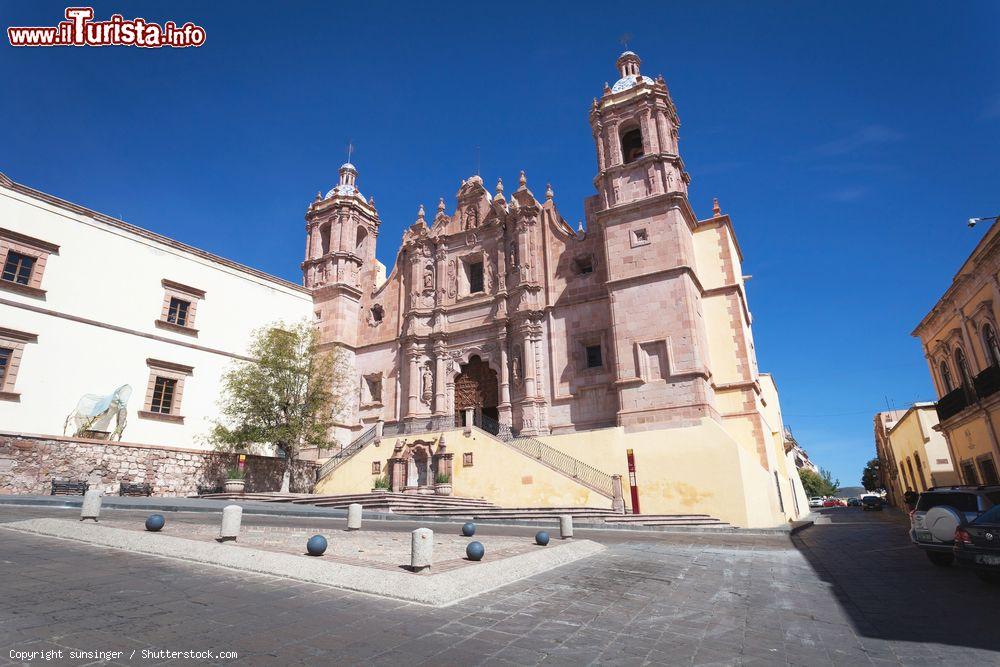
(440, 407)
(666, 145)
(504, 407)
(413, 399)
(971, 358)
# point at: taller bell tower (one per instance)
(641, 209)
(341, 229)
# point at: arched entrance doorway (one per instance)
(476, 387)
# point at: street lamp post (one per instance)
(974, 221)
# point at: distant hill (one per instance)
(850, 492)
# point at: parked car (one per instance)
(941, 510)
(831, 502)
(854, 502)
(816, 501)
(871, 503)
(977, 545)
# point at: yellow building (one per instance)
(959, 337)
(914, 454)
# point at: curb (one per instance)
(196, 505)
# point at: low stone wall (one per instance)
(28, 463)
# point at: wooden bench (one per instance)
(69, 488)
(126, 489)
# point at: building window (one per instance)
(969, 473)
(946, 381)
(991, 345)
(12, 344)
(180, 307)
(639, 237)
(988, 470)
(6, 354)
(24, 259)
(475, 277)
(163, 395)
(17, 268)
(963, 368)
(373, 388)
(178, 313)
(584, 265)
(378, 314)
(165, 391)
(632, 145)
(920, 471)
(594, 357)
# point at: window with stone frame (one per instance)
(179, 308)
(639, 236)
(588, 351)
(594, 357)
(988, 470)
(12, 344)
(372, 389)
(991, 345)
(969, 473)
(476, 277)
(165, 390)
(947, 385)
(632, 148)
(22, 262)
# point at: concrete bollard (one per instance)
(354, 516)
(91, 505)
(421, 549)
(232, 517)
(565, 526)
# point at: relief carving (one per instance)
(452, 278)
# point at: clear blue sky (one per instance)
(849, 141)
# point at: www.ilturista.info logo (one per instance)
(79, 29)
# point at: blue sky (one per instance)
(849, 141)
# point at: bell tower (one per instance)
(641, 210)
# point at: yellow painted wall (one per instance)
(499, 473)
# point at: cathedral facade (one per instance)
(499, 310)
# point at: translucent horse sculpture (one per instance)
(94, 413)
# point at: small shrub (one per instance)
(382, 483)
(442, 478)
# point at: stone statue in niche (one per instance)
(452, 278)
(471, 220)
(429, 277)
(513, 256)
(515, 367)
(427, 384)
(491, 273)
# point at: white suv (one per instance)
(941, 510)
(816, 501)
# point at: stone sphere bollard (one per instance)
(421, 549)
(154, 522)
(565, 526)
(232, 517)
(91, 505)
(468, 529)
(354, 516)
(541, 538)
(316, 546)
(475, 551)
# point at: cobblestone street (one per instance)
(849, 590)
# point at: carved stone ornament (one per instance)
(452, 278)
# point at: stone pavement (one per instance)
(850, 591)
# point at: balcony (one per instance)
(984, 385)
(987, 383)
(953, 402)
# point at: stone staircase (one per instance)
(462, 509)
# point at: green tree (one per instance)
(871, 478)
(287, 398)
(818, 483)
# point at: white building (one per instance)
(89, 303)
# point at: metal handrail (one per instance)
(586, 474)
(347, 452)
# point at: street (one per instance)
(850, 590)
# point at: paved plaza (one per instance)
(849, 590)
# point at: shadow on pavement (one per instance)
(889, 588)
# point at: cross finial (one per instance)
(350, 150)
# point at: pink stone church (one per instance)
(529, 363)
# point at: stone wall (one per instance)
(28, 463)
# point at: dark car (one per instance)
(977, 545)
(853, 502)
(873, 503)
